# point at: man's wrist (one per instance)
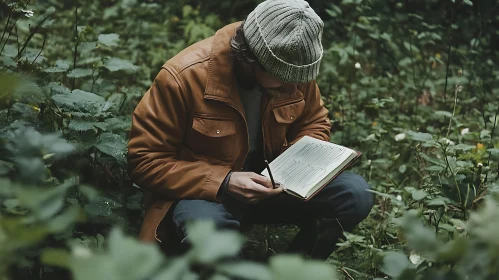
(222, 191)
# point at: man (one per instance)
(222, 106)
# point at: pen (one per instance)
(270, 173)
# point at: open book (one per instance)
(310, 164)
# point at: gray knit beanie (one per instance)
(285, 36)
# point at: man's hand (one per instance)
(250, 187)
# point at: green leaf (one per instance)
(60, 66)
(133, 259)
(210, 245)
(83, 125)
(419, 194)
(79, 73)
(7, 61)
(110, 40)
(292, 267)
(435, 168)
(439, 201)
(394, 264)
(419, 136)
(6, 167)
(100, 267)
(485, 133)
(78, 100)
(113, 145)
(101, 206)
(444, 113)
(43, 203)
(117, 64)
(243, 269)
(402, 168)
(11, 203)
(10, 50)
(433, 160)
(63, 221)
(54, 88)
(460, 147)
(468, 2)
(87, 47)
(175, 270)
(494, 120)
(389, 196)
(55, 257)
(26, 89)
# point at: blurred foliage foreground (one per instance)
(412, 84)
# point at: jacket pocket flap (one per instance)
(289, 113)
(213, 127)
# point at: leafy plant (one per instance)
(412, 85)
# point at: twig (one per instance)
(347, 274)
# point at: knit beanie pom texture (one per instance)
(285, 36)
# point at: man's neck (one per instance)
(244, 75)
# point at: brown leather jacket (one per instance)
(189, 129)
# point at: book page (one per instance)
(306, 163)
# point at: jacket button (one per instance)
(218, 131)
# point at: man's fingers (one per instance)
(277, 190)
(267, 191)
(262, 180)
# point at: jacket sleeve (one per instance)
(314, 120)
(159, 125)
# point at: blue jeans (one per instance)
(338, 207)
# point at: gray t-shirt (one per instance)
(251, 100)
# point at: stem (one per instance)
(447, 73)
(449, 30)
(491, 144)
(17, 41)
(13, 25)
(453, 177)
(351, 77)
(8, 35)
(123, 103)
(30, 36)
(494, 127)
(76, 44)
(454, 109)
(41, 50)
(94, 79)
(350, 113)
(6, 26)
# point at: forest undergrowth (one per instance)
(414, 85)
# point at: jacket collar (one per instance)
(221, 82)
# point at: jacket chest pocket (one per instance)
(213, 136)
(285, 116)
